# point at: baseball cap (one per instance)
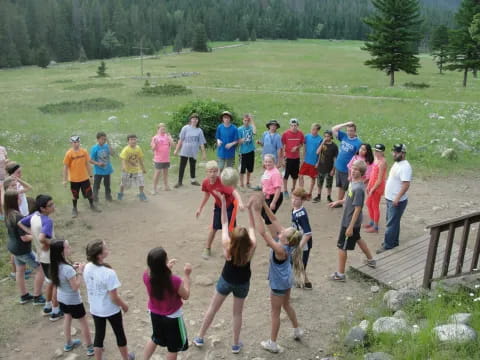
(379, 147)
(399, 148)
(294, 121)
(329, 132)
(75, 138)
(273, 122)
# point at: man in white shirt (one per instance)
(398, 183)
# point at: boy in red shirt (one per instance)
(211, 186)
(292, 141)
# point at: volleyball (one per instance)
(229, 177)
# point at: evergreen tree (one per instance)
(474, 28)
(243, 32)
(102, 69)
(42, 57)
(253, 35)
(393, 40)
(199, 42)
(463, 50)
(439, 46)
(109, 44)
(82, 56)
(177, 45)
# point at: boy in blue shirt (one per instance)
(246, 133)
(227, 140)
(308, 168)
(272, 142)
(102, 167)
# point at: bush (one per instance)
(413, 85)
(88, 86)
(43, 58)
(102, 69)
(164, 90)
(96, 104)
(209, 112)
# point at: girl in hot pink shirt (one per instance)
(272, 188)
(365, 153)
(161, 144)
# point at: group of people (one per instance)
(360, 172)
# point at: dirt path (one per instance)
(132, 228)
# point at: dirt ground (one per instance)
(132, 228)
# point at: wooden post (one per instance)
(463, 246)
(448, 249)
(476, 251)
(431, 256)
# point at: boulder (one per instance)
(364, 324)
(457, 333)
(449, 154)
(355, 337)
(378, 356)
(400, 314)
(390, 325)
(460, 318)
(396, 299)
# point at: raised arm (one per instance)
(336, 128)
(184, 289)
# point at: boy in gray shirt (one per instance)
(352, 220)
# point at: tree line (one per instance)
(35, 32)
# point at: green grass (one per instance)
(89, 86)
(96, 104)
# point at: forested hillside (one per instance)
(66, 30)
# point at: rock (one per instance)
(460, 318)
(378, 356)
(400, 314)
(58, 353)
(390, 325)
(374, 289)
(396, 299)
(462, 145)
(203, 280)
(449, 154)
(372, 312)
(355, 337)
(458, 333)
(364, 324)
(436, 209)
(112, 118)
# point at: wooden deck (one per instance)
(404, 266)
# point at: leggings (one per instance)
(117, 326)
(373, 205)
(183, 165)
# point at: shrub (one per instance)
(42, 57)
(96, 104)
(414, 85)
(209, 112)
(93, 86)
(164, 90)
(102, 70)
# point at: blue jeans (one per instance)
(392, 231)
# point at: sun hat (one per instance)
(228, 113)
(399, 148)
(379, 147)
(273, 122)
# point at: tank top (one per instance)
(280, 271)
(374, 176)
(236, 274)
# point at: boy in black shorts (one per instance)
(352, 221)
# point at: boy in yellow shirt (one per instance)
(132, 168)
(77, 170)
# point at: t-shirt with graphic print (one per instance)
(355, 196)
(348, 148)
(301, 223)
(101, 153)
(192, 138)
(77, 163)
(246, 133)
(132, 157)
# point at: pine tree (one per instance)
(82, 56)
(439, 46)
(102, 69)
(253, 35)
(177, 45)
(110, 43)
(42, 57)
(199, 42)
(393, 40)
(243, 32)
(474, 28)
(463, 50)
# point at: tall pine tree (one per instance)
(439, 46)
(393, 40)
(199, 42)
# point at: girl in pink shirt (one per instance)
(165, 294)
(365, 153)
(161, 144)
(272, 188)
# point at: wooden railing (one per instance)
(451, 225)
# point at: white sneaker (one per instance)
(298, 333)
(271, 346)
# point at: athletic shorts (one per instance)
(277, 292)
(162, 165)
(246, 162)
(217, 217)
(292, 166)
(342, 180)
(269, 201)
(26, 259)
(308, 170)
(169, 332)
(327, 177)
(223, 163)
(348, 243)
(76, 311)
(84, 186)
(239, 290)
(129, 180)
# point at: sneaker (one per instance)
(206, 254)
(366, 226)
(72, 345)
(94, 208)
(39, 300)
(308, 286)
(176, 186)
(28, 272)
(197, 341)
(371, 263)
(371, 230)
(380, 250)
(25, 298)
(271, 346)
(119, 196)
(56, 316)
(337, 277)
(142, 196)
(154, 192)
(195, 183)
(47, 311)
(90, 350)
(298, 333)
(74, 213)
(329, 199)
(285, 194)
(317, 198)
(236, 348)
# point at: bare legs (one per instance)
(277, 302)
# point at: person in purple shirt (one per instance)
(227, 140)
(349, 145)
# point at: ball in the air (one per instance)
(229, 177)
